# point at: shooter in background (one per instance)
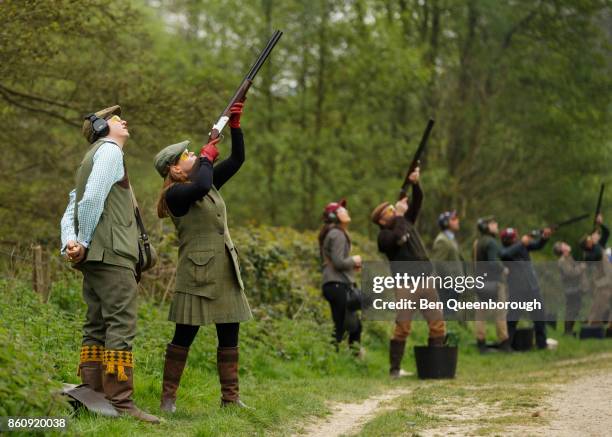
(594, 246)
(400, 241)
(487, 262)
(574, 281)
(338, 268)
(522, 279)
(446, 255)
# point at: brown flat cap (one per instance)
(375, 216)
(104, 113)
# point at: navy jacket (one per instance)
(522, 279)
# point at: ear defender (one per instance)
(98, 125)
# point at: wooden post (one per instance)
(40, 273)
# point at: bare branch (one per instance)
(37, 98)
(38, 110)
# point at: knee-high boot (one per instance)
(227, 366)
(176, 357)
(118, 383)
(90, 366)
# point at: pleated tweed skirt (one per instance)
(230, 307)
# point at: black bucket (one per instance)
(436, 362)
(592, 332)
(523, 339)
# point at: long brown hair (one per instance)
(162, 206)
(328, 226)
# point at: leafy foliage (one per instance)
(518, 90)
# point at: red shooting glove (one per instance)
(236, 112)
(210, 150)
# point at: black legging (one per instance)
(335, 293)
(227, 334)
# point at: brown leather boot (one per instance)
(227, 366)
(176, 357)
(90, 366)
(396, 353)
(119, 385)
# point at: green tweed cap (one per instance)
(168, 156)
(104, 113)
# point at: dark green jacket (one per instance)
(203, 239)
(446, 256)
(487, 257)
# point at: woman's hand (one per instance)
(210, 150)
(236, 112)
(357, 260)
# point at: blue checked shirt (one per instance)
(106, 171)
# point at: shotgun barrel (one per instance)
(242, 90)
(598, 207)
(537, 232)
(417, 158)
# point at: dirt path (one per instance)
(350, 418)
(580, 407)
(583, 407)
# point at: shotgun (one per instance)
(537, 232)
(242, 90)
(416, 160)
(598, 207)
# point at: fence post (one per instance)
(40, 273)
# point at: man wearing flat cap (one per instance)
(446, 255)
(400, 241)
(100, 238)
(486, 254)
(600, 269)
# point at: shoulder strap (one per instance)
(143, 233)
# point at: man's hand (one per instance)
(599, 219)
(546, 233)
(358, 262)
(404, 238)
(75, 252)
(414, 176)
(210, 150)
(401, 206)
(236, 112)
(595, 237)
(71, 247)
